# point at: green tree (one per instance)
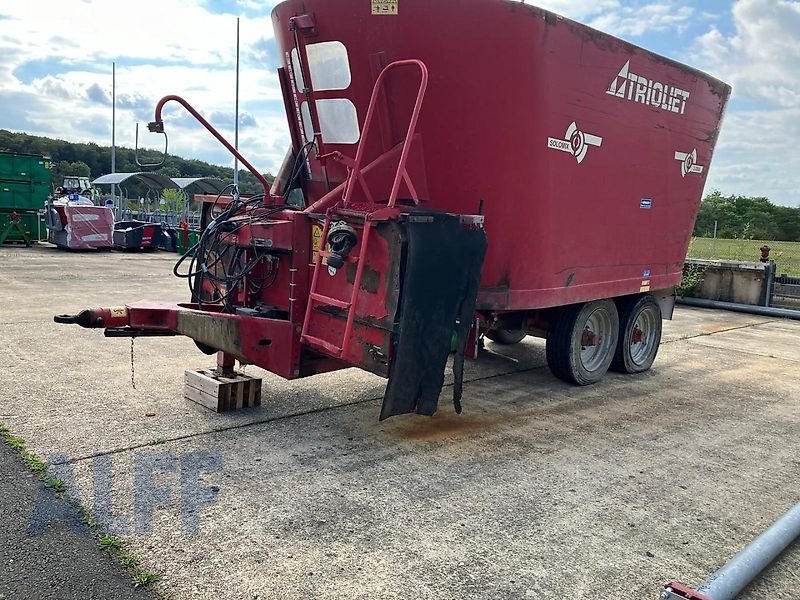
(173, 200)
(750, 217)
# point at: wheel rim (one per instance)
(643, 337)
(597, 340)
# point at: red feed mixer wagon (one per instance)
(482, 167)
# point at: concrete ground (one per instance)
(46, 551)
(539, 490)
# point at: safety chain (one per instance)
(133, 372)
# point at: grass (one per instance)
(55, 483)
(33, 462)
(113, 544)
(110, 542)
(128, 560)
(143, 578)
(785, 254)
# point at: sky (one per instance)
(55, 74)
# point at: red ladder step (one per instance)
(328, 301)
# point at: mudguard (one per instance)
(440, 278)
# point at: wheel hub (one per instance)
(590, 338)
(596, 340)
(643, 337)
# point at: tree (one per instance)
(747, 217)
(74, 159)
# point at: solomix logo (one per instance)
(636, 88)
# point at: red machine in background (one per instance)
(75, 223)
(460, 166)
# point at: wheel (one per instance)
(639, 334)
(581, 341)
(506, 337)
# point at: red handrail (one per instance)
(354, 171)
(158, 126)
(401, 174)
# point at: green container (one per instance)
(194, 236)
(15, 195)
(30, 223)
(32, 168)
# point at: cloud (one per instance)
(53, 82)
(633, 19)
(578, 9)
(761, 59)
(638, 20)
(264, 52)
(98, 95)
(756, 155)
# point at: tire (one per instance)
(640, 327)
(568, 356)
(506, 337)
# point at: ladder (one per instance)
(356, 176)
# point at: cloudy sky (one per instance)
(55, 73)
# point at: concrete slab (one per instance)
(84, 383)
(540, 490)
(695, 322)
(777, 339)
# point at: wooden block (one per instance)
(222, 394)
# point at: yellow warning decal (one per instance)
(384, 7)
(119, 312)
(316, 243)
(316, 238)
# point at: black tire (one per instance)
(506, 337)
(636, 351)
(567, 356)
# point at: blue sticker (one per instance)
(646, 274)
(646, 203)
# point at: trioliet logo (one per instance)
(636, 88)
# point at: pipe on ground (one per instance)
(766, 311)
(731, 579)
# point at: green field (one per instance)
(785, 254)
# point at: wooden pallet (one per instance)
(222, 394)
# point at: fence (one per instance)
(166, 217)
(786, 255)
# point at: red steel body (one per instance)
(587, 155)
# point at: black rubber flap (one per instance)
(441, 276)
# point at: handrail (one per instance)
(354, 166)
(355, 170)
(157, 126)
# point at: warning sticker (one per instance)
(316, 242)
(384, 7)
(316, 238)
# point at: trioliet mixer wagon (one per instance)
(468, 166)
